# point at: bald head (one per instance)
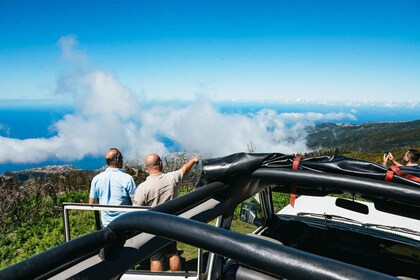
(153, 163)
(114, 158)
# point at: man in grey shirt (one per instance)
(158, 188)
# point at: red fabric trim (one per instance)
(295, 166)
(398, 171)
(296, 162)
(389, 175)
(292, 196)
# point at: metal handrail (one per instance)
(96, 208)
(87, 206)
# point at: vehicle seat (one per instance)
(235, 271)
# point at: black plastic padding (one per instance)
(221, 169)
(352, 205)
(224, 168)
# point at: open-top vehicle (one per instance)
(324, 233)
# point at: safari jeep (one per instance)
(346, 219)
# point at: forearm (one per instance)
(186, 167)
(93, 200)
(395, 162)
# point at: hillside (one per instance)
(367, 137)
(39, 172)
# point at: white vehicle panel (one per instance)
(326, 205)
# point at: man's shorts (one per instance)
(168, 250)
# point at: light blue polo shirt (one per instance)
(112, 187)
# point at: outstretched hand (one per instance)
(186, 167)
(387, 156)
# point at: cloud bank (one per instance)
(109, 115)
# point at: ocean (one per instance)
(34, 122)
(23, 122)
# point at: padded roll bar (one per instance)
(365, 186)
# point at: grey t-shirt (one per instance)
(158, 189)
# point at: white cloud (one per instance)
(109, 115)
(68, 45)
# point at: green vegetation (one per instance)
(365, 138)
(30, 212)
(38, 227)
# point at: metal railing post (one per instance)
(97, 220)
(66, 224)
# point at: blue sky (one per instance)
(224, 50)
(121, 64)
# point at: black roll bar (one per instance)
(258, 253)
(388, 191)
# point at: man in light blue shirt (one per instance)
(112, 187)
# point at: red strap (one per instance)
(398, 171)
(293, 196)
(293, 189)
(296, 162)
(389, 175)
